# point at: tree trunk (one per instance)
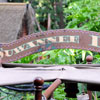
(60, 14)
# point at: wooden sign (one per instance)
(48, 40)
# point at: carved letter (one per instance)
(1, 54)
(26, 46)
(61, 39)
(40, 41)
(51, 39)
(18, 49)
(31, 44)
(95, 40)
(72, 38)
(9, 53)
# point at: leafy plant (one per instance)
(83, 14)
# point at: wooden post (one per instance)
(48, 92)
(49, 22)
(38, 82)
(89, 60)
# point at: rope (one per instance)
(25, 87)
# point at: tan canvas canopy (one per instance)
(14, 18)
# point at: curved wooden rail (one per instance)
(48, 40)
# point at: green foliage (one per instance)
(83, 14)
(6, 94)
(59, 56)
(42, 8)
(96, 58)
(59, 93)
(65, 56)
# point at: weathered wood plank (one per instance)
(19, 76)
(80, 66)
